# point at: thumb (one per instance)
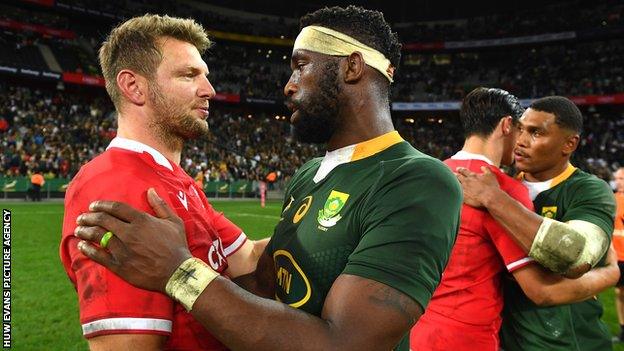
(159, 205)
(486, 170)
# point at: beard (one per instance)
(173, 121)
(318, 115)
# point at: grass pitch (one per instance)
(44, 304)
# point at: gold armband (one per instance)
(189, 280)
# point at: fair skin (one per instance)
(182, 80)
(619, 292)
(542, 151)
(543, 287)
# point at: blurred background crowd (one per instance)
(55, 116)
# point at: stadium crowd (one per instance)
(562, 69)
(550, 18)
(259, 71)
(55, 133)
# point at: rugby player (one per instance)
(464, 312)
(569, 232)
(158, 83)
(365, 231)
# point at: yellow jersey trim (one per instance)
(376, 145)
(556, 180)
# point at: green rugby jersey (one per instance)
(576, 327)
(379, 209)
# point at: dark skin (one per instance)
(543, 150)
(358, 313)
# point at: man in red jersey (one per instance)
(464, 312)
(158, 82)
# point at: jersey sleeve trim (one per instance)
(126, 325)
(519, 263)
(237, 244)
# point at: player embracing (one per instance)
(569, 232)
(464, 313)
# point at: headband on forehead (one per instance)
(330, 42)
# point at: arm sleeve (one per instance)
(409, 225)
(510, 251)
(231, 235)
(592, 201)
(109, 305)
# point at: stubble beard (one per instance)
(319, 115)
(172, 122)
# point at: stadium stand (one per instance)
(55, 116)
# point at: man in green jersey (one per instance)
(570, 230)
(365, 231)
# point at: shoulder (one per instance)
(111, 173)
(421, 169)
(583, 184)
(514, 188)
(415, 179)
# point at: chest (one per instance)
(552, 203)
(319, 228)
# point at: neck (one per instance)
(131, 127)
(363, 118)
(547, 174)
(478, 145)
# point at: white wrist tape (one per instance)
(562, 246)
(189, 280)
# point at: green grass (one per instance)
(44, 304)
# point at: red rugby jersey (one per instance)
(109, 305)
(470, 291)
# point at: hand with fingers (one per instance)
(477, 188)
(143, 250)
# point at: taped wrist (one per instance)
(189, 280)
(562, 246)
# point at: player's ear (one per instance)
(132, 86)
(354, 68)
(506, 124)
(570, 144)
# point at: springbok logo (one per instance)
(329, 215)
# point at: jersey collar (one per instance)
(355, 152)
(136, 146)
(465, 155)
(537, 187)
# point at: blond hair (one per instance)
(134, 45)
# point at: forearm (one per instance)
(565, 291)
(261, 281)
(590, 284)
(255, 285)
(243, 321)
(127, 342)
(519, 221)
(358, 314)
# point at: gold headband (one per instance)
(330, 42)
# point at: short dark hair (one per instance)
(483, 108)
(367, 26)
(567, 115)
